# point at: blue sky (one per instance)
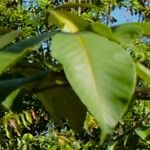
(123, 16)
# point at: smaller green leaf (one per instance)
(61, 101)
(143, 132)
(28, 116)
(113, 146)
(145, 26)
(24, 121)
(8, 38)
(8, 86)
(27, 137)
(53, 66)
(102, 30)
(10, 99)
(147, 104)
(10, 55)
(126, 33)
(143, 72)
(68, 22)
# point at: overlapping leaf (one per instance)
(143, 72)
(144, 133)
(10, 55)
(128, 32)
(8, 86)
(62, 102)
(8, 38)
(145, 26)
(101, 73)
(68, 22)
(102, 30)
(8, 102)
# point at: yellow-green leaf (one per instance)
(8, 38)
(7, 103)
(102, 30)
(68, 22)
(128, 32)
(143, 72)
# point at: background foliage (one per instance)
(39, 108)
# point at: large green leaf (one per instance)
(61, 101)
(10, 55)
(101, 73)
(8, 38)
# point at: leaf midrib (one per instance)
(89, 62)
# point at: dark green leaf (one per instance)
(61, 101)
(8, 86)
(10, 55)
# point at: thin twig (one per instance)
(132, 128)
(38, 90)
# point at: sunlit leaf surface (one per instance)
(101, 73)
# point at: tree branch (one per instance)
(38, 90)
(142, 93)
(132, 128)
